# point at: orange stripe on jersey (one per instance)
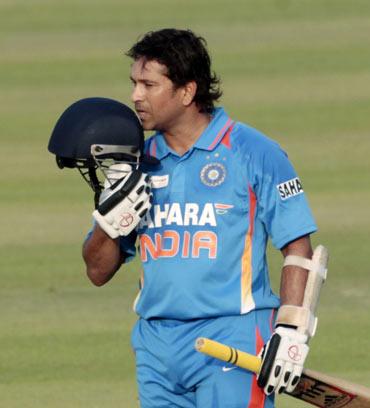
(226, 139)
(257, 395)
(247, 302)
(219, 135)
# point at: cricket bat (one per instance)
(314, 388)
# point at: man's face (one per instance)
(157, 102)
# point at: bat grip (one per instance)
(228, 354)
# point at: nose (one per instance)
(137, 94)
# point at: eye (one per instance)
(149, 84)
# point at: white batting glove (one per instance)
(113, 173)
(123, 204)
(282, 360)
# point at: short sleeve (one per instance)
(282, 203)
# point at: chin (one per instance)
(148, 125)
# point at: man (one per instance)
(222, 188)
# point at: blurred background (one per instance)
(297, 70)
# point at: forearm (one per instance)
(284, 354)
(294, 278)
(102, 257)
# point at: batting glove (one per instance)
(283, 357)
(124, 203)
(113, 173)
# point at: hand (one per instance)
(113, 173)
(124, 203)
(283, 357)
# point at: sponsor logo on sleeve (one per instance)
(290, 188)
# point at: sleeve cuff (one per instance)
(282, 241)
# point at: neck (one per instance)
(186, 131)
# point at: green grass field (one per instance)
(297, 70)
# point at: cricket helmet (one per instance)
(94, 131)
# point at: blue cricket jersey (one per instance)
(203, 243)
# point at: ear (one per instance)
(189, 91)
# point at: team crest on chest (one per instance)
(213, 174)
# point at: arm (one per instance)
(284, 355)
(286, 215)
(121, 207)
(102, 257)
(294, 278)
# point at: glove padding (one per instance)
(113, 173)
(123, 204)
(283, 357)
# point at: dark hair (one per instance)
(186, 57)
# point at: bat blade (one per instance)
(314, 388)
(324, 391)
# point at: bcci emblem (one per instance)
(213, 174)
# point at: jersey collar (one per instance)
(208, 140)
(215, 130)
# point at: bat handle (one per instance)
(228, 354)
